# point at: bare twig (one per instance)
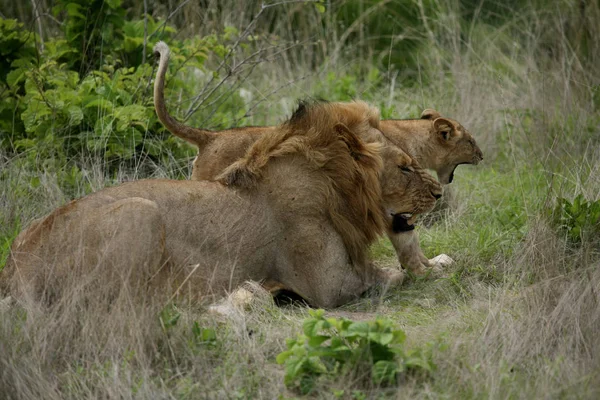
(241, 68)
(203, 96)
(145, 30)
(194, 105)
(353, 27)
(271, 93)
(36, 15)
(57, 22)
(280, 3)
(164, 24)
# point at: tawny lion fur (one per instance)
(297, 212)
(434, 142)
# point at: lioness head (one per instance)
(407, 189)
(454, 145)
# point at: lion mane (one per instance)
(352, 167)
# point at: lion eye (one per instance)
(405, 169)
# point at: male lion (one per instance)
(435, 142)
(297, 212)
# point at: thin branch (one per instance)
(211, 87)
(36, 14)
(164, 24)
(145, 30)
(271, 93)
(248, 61)
(193, 106)
(53, 19)
(280, 3)
(354, 26)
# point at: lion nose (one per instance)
(436, 195)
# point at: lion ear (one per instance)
(430, 113)
(364, 153)
(355, 145)
(238, 175)
(444, 128)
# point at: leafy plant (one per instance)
(88, 26)
(580, 219)
(60, 116)
(333, 347)
(15, 43)
(6, 241)
(206, 336)
(169, 316)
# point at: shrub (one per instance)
(59, 116)
(333, 347)
(579, 219)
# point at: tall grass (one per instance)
(516, 317)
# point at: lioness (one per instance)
(297, 212)
(435, 142)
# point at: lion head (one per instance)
(407, 189)
(457, 145)
(436, 142)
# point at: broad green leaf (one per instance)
(294, 366)
(382, 338)
(384, 372)
(104, 126)
(15, 77)
(24, 144)
(101, 103)
(73, 10)
(283, 356)
(319, 313)
(317, 340)
(357, 328)
(418, 363)
(399, 336)
(75, 115)
(35, 111)
(114, 4)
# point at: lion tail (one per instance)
(198, 137)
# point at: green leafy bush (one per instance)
(15, 43)
(579, 219)
(333, 347)
(87, 27)
(60, 116)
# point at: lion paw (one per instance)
(393, 276)
(441, 261)
(433, 268)
(234, 305)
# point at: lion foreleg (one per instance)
(409, 252)
(412, 258)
